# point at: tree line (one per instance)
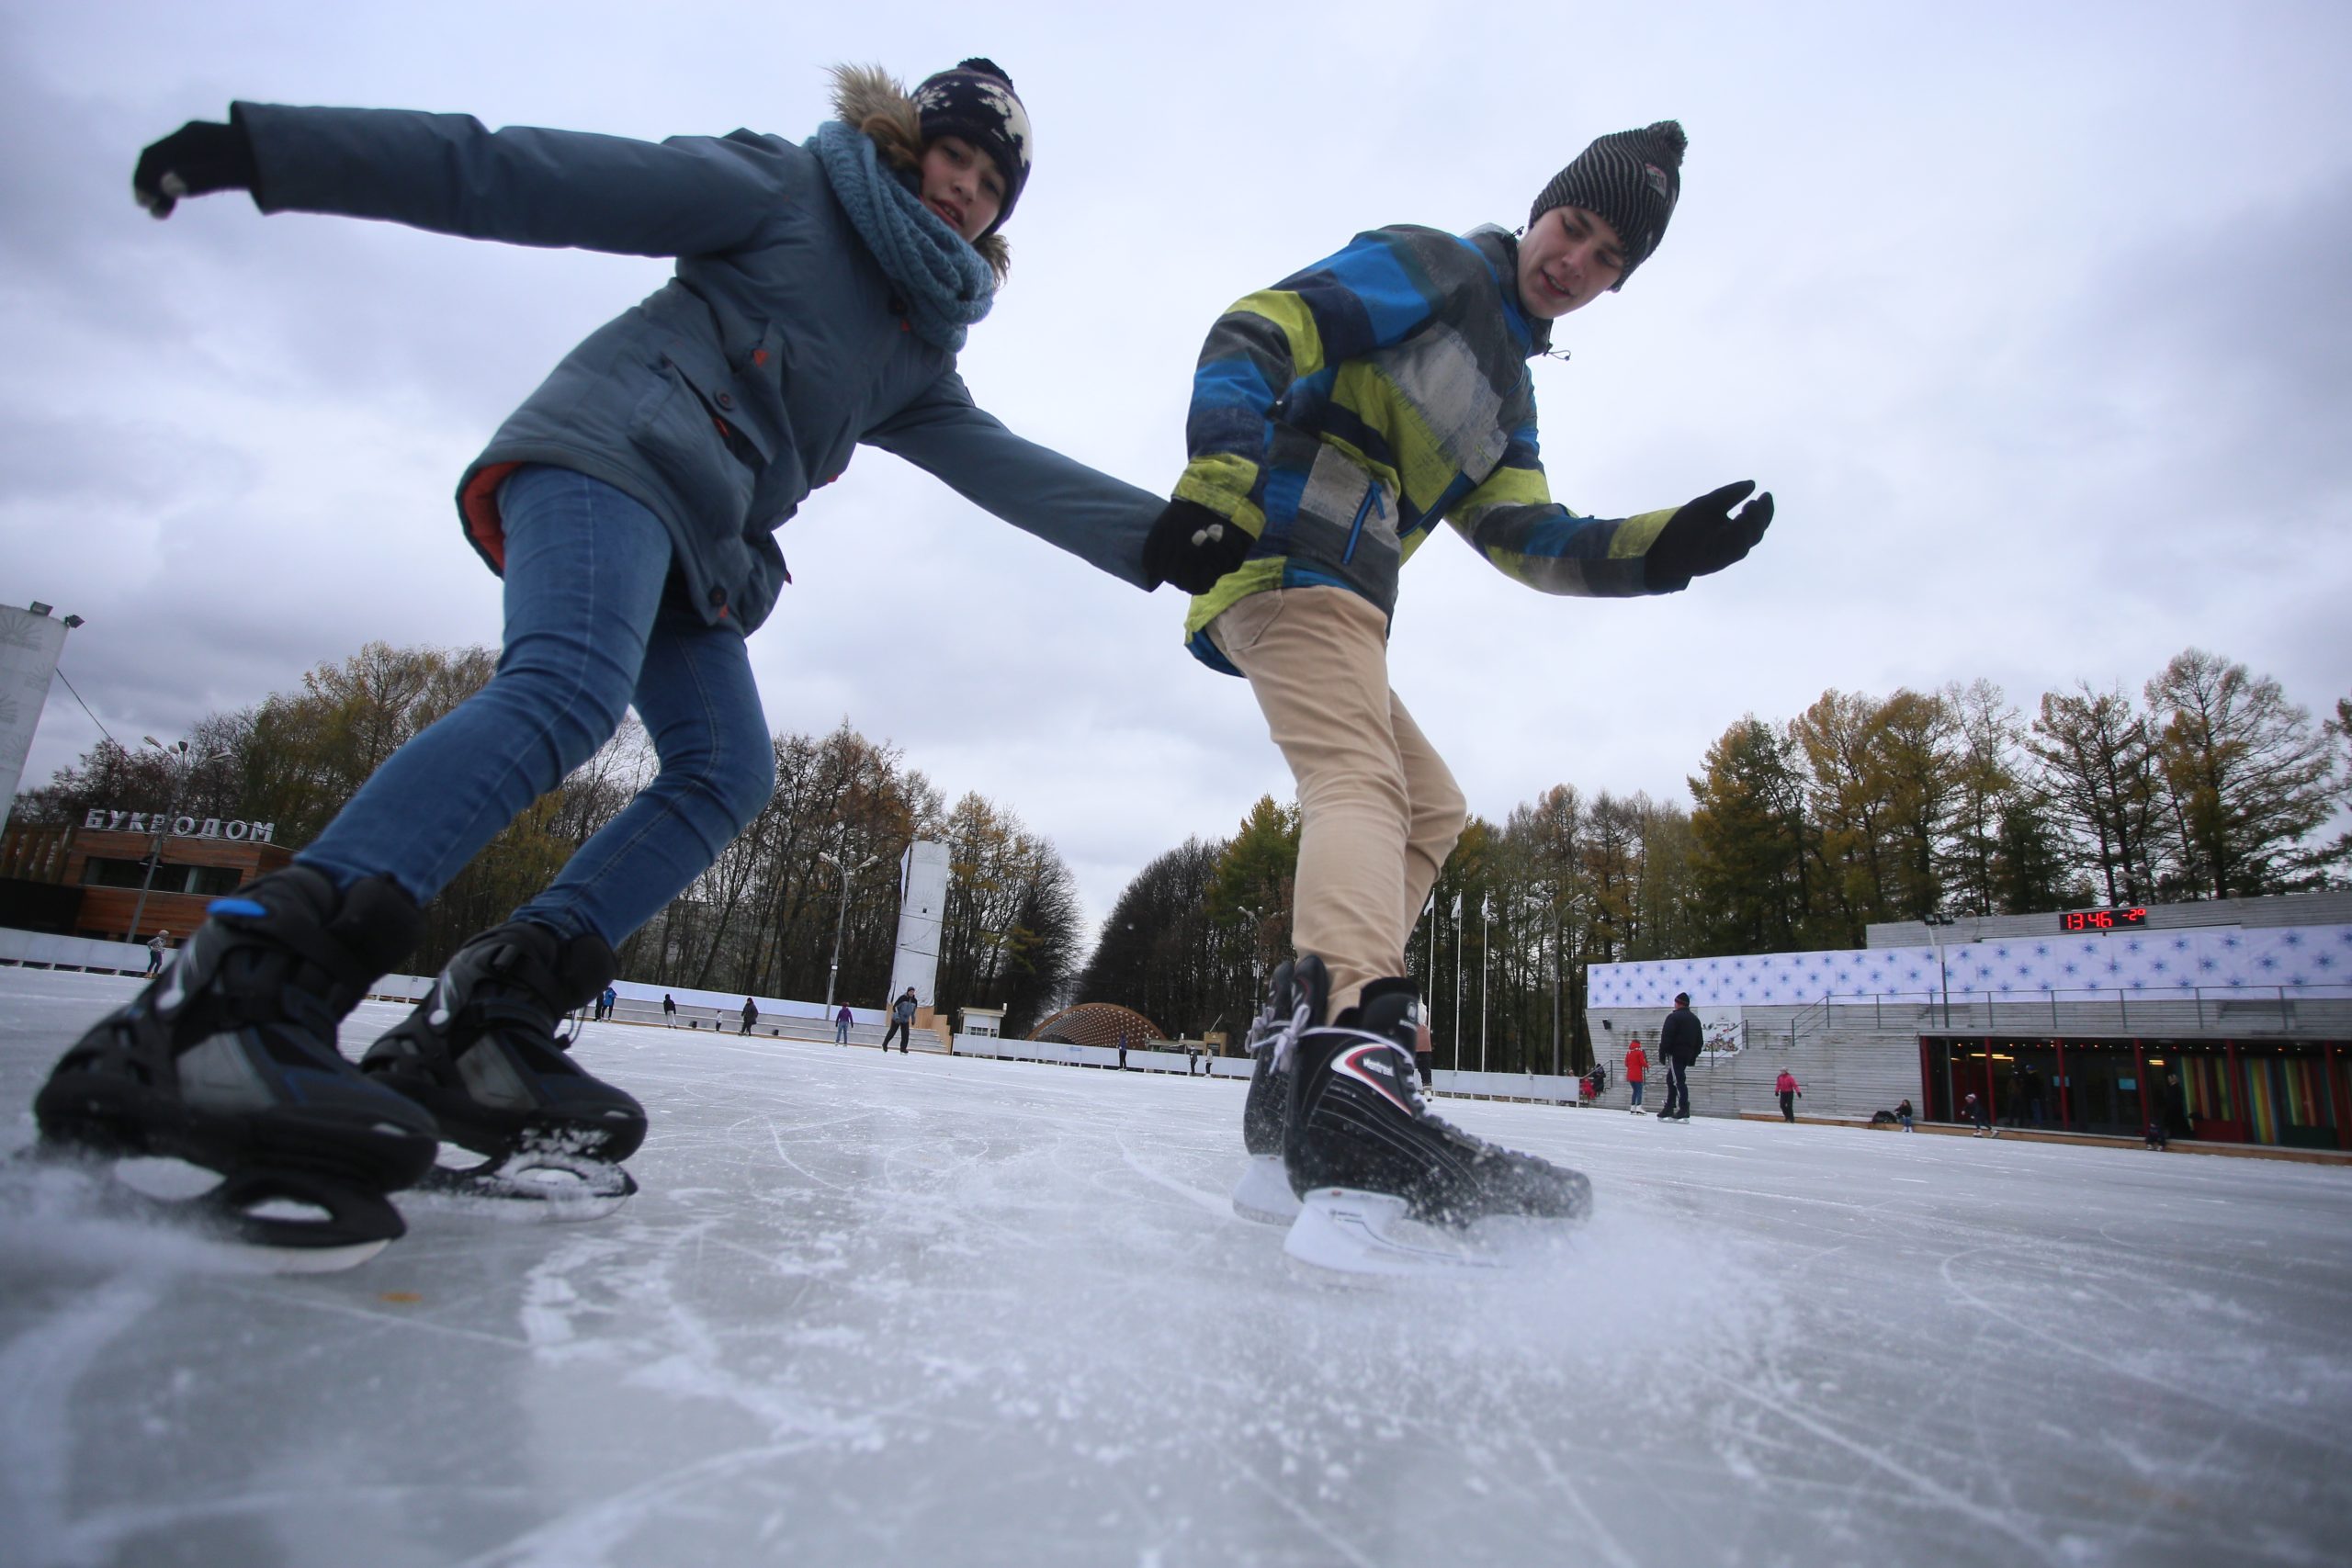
(1802, 833)
(762, 920)
(2210, 783)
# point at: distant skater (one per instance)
(902, 1021)
(1637, 1068)
(1902, 1114)
(1679, 1040)
(750, 1016)
(1980, 1112)
(1786, 1088)
(157, 945)
(841, 1020)
(669, 1012)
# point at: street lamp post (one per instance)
(1935, 924)
(841, 921)
(1556, 990)
(181, 768)
(1256, 957)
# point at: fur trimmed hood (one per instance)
(873, 101)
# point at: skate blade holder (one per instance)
(1264, 1192)
(257, 1221)
(534, 1184)
(1350, 1236)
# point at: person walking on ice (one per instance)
(158, 946)
(902, 1021)
(1785, 1086)
(750, 1016)
(841, 1020)
(1336, 419)
(822, 292)
(1679, 1042)
(1637, 1070)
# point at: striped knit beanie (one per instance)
(976, 102)
(1633, 178)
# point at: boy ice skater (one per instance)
(1336, 419)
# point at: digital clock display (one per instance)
(2101, 920)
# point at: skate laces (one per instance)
(1286, 1039)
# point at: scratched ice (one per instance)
(923, 1310)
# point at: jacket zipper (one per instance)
(1355, 529)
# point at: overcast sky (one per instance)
(2033, 318)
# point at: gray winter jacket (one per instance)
(733, 391)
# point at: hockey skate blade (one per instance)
(1351, 1238)
(1264, 1192)
(534, 1186)
(252, 1221)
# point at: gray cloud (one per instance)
(2034, 325)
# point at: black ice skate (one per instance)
(1387, 1186)
(227, 1060)
(481, 1053)
(1295, 1003)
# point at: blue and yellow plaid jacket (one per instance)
(1339, 416)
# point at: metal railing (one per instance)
(2212, 1005)
(1807, 1015)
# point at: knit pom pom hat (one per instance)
(976, 102)
(1633, 178)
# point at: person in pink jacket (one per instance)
(1786, 1088)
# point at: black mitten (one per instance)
(1706, 535)
(198, 159)
(1192, 546)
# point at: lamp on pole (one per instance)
(1935, 924)
(1556, 957)
(181, 768)
(1257, 958)
(841, 919)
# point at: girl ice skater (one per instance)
(821, 293)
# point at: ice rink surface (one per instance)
(930, 1311)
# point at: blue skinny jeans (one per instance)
(589, 632)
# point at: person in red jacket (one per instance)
(1786, 1088)
(1637, 1069)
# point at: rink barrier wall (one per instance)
(1535, 1088)
(42, 950)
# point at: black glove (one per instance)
(1192, 546)
(1706, 535)
(198, 159)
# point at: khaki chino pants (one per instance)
(1379, 811)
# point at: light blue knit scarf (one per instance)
(946, 284)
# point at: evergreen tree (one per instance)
(1747, 841)
(1159, 952)
(2247, 778)
(2099, 771)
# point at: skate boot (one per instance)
(227, 1060)
(1296, 999)
(481, 1053)
(1387, 1186)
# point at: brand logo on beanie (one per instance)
(1658, 183)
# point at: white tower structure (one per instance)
(29, 643)
(922, 906)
